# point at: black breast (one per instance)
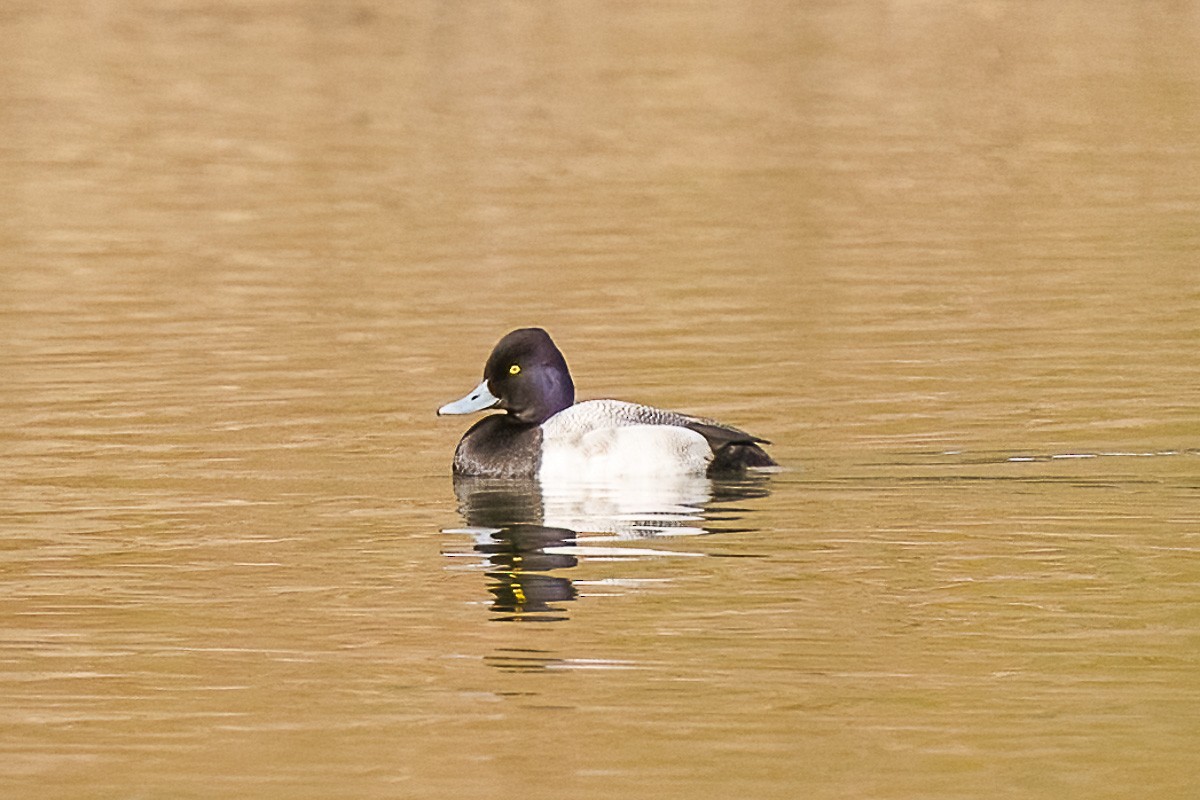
(499, 447)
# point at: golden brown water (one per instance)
(943, 255)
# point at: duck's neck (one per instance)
(555, 392)
(560, 393)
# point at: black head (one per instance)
(529, 375)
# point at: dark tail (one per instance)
(737, 457)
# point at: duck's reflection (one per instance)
(525, 530)
(518, 560)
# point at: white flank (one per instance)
(605, 439)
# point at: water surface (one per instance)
(944, 258)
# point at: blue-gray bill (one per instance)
(478, 399)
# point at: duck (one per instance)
(544, 434)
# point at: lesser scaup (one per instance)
(545, 433)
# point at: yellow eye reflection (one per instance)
(514, 369)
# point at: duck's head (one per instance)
(525, 375)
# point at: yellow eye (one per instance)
(514, 369)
